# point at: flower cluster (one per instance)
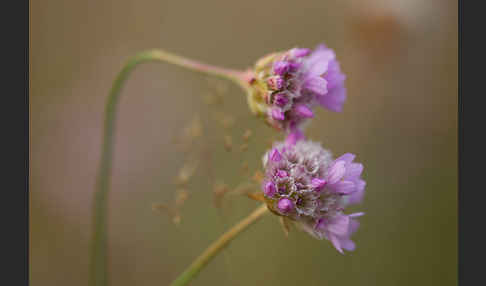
(305, 184)
(286, 86)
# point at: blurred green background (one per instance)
(400, 58)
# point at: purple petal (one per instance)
(318, 184)
(347, 157)
(304, 111)
(270, 189)
(300, 52)
(353, 215)
(277, 114)
(294, 136)
(339, 225)
(336, 172)
(281, 67)
(360, 185)
(275, 155)
(275, 82)
(294, 66)
(317, 85)
(353, 171)
(334, 76)
(336, 242)
(334, 99)
(344, 240)
(320, 224)
(348, 244)
(281, 99)
(353, 224)
(282, 174)
(357, 196)
(317, 63)
(285, 205)
(344, 187)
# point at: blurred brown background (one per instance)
(400, 58)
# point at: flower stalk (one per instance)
(98, 262)
(198, 264)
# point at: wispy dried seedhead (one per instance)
(247, 135)
(228, 122)
(213, 99)
(173, 209)
(172, 212)
(194, 130)
(190, 133)
(225, 120)
(186, 172)
(245, 167)
(243, 147)
(228, 143)
(248, 189)
(181, 196)
(219, 190)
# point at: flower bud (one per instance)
(275, 82)
(285, 205)
(286, 86)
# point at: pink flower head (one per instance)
(293, 82)
(304, 183)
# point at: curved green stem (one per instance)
(216, 246)
(98, 263)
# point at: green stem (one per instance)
(216, 246)
(98, 263)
